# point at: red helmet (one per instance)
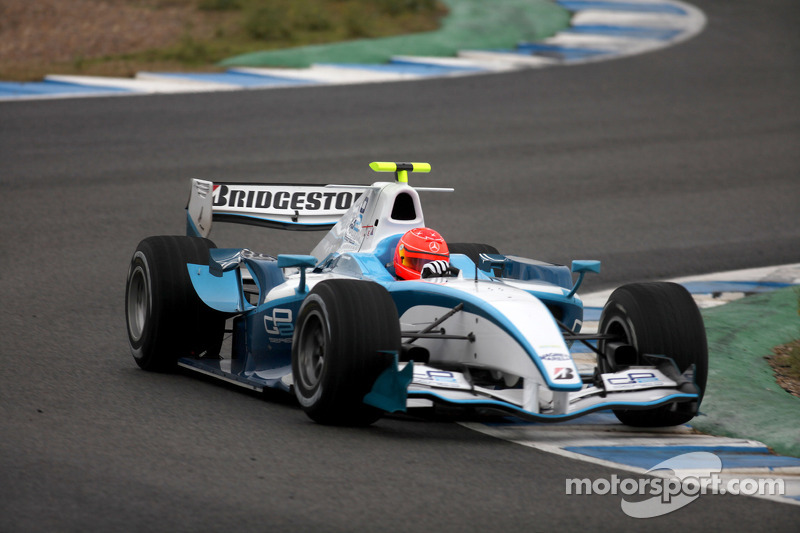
(416, 248)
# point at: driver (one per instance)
(422, 253)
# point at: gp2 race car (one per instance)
(352, 342)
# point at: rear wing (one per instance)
(282, 206)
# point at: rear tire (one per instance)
(661, 319)
(166, 319)
(343, 330)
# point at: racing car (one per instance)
(352, 340)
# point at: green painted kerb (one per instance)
(742, 397)
(470, 25)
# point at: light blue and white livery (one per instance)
(352, 341)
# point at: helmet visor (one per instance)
(416, 263)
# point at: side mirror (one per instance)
(488, 262)
(581, 268)
(300, 261)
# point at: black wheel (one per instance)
(343, 331)
(662, 319)
(166, 319)
(472, 250)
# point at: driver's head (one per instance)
(416, 248)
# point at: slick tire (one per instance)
(345, 334)
(166, 319)
(662, 319)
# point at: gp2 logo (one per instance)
(279, 323)
(440, 376)
(635, 378)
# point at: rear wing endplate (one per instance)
(287, 206)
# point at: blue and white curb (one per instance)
(603, 30)
(600, 30)
(601, 439)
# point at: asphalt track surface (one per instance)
(672, 163)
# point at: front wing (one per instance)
(634, 388)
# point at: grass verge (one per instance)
(742, 398)
(785, 361)
(122, 37)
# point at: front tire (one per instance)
(345, 333)
(166, 319)
(662, 319)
